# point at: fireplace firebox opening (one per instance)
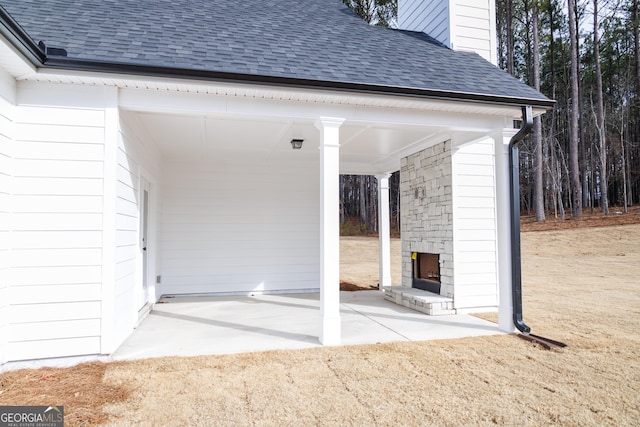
(426, 272)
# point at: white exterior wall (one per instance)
(474, 225)
(467, 25)
(56, 238)
(241, 223)
(473, 27)
(7, 100)
(430, 17)
(135, 157)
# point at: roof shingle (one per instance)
(319, 40)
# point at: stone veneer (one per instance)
(427, 211)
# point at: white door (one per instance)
(145, 188)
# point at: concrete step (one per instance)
(419, 300)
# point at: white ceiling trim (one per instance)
(13, 62)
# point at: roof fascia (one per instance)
(17, 36)
(70, 64)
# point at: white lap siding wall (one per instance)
(7, 100)
(474, 226)
(56, 288)
(136, 156)
(241, 223)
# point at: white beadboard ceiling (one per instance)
(189, 137)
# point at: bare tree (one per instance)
(510, 43)
(537, 122)
(375, 12)
(576, 189)
(600, 123)
(636, 42)
(363, 212)
(635, 23)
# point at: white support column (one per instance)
(330, 330)
(108, 342)
(384, 231)
(503, 214)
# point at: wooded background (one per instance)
(584, 154)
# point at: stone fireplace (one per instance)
(449, 229)
(427, 220)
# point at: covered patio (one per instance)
(235, 210)
(191, 326)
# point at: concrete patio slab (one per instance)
(190, 326)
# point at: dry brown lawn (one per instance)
(581, 286)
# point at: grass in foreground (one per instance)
(580, 287)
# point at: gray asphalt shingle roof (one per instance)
(319, 40)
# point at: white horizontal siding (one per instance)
(7, 93)
(133, 155)
(59, 151)
(77, 204)
(45, 221)
(58, 257)
(58, 168)
(128, 267)
(67, 134)
(51, 312)
(40, 294)
(473, 27)
(470, 302)
(56, 238)
(57, 116)
(54, 330)
(125, 268)
(49, 186)
(476, 279)
(251, 225)
(475, 232)
(41, 349)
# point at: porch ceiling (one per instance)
(366, 148)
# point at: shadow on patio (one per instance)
(189, 326)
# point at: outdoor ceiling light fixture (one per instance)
(297, 143)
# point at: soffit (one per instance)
(268, 92)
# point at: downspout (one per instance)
(514, 188)
(516, 260)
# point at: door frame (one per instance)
(145, 293)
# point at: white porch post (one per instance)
(384, 232)
(330, 329)
(503, 214)
(108, 341)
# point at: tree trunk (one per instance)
(362, 198)
(636, 44)
(510, 42)
(600, 124)
(537, 122)
(636, 47)
(373, 203)
(576, 189)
